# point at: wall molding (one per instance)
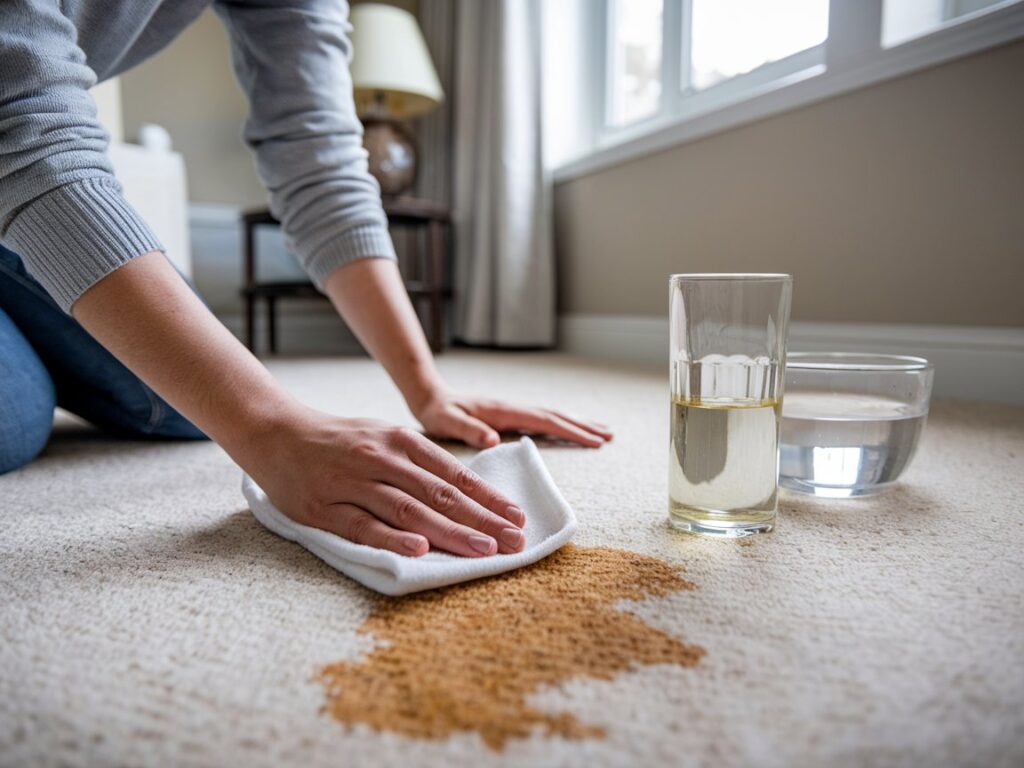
(971, 362)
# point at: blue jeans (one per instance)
(48, 359)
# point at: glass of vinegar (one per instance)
(727, 365)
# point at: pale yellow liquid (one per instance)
(724, 466)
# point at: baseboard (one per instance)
(975, 363)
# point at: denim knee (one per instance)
(89, 380)
(27, 399)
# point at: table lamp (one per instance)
(393, 80)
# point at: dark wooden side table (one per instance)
(426, 284)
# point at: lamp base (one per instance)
(392, 154)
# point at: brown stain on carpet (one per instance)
(466, 658)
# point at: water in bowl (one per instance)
(840, 445)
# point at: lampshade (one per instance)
(391, 66)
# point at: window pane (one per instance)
(906, 19)
(634, 90)
(731, 37)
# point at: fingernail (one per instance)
(512, 538)
(483, 544)
(413, 545)
(516, 515)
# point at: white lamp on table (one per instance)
(393, 80)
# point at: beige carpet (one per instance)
(147, 619)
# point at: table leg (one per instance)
(436, 266)
(272, 324)
(249, 281)
(250, 322)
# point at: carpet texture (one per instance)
(147, 619)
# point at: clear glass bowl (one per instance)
(851, 422)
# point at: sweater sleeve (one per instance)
(291, 58)
(61, 209)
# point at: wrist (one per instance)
(423, 386)
(265, 421)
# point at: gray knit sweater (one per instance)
(61, 208)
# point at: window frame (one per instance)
(852, 56)
(676, 101)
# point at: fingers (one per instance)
(556, 426)
(442, 497)
(443, 465)
(545, 422)
(595, 427)
(454, 531)
(553, 425)
(471, 430)
(359, 526)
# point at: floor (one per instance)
(148, 619)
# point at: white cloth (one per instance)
(515, 469)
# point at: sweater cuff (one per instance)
(75, 235)
(366, 241)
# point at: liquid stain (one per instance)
(467, 658)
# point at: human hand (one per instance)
(384, 486)
(478, 420)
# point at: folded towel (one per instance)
(515, 469)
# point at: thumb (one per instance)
(473, 431)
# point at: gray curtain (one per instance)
(434, 132)
(504, 261)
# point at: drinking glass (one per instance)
(727, 363)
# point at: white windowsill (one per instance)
(960, 38)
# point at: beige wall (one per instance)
(902, 202)
(190, 89)
(107, 96)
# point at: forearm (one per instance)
(346, 476)
(371, 297)
(147, 316)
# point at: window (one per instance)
(661, 51)
(733, 37)
(904, 20)
(635, 60)
(627, 77)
